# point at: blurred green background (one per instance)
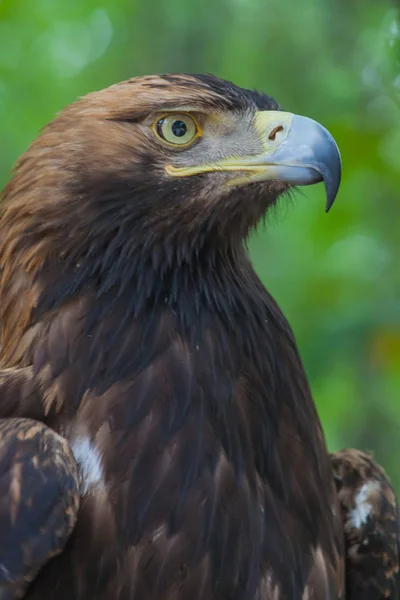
(337, 61)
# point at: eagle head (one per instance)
(168, 155)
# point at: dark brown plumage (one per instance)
(133, 324)
(371, 526)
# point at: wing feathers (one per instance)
(371, 526)
(39, 501)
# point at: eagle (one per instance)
(158, 436)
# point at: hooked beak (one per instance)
(295, 150)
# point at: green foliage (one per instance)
(336, 276)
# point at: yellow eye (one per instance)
(177, 129)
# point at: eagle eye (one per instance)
(177, 129)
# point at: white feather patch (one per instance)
(88, 460)
(362, 509)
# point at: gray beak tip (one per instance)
(331, 192)
(332, 182)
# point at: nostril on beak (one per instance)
(273, 133)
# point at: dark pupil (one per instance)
(179, 128)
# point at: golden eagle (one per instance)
(158, 438)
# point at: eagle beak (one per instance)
(299, 151)
(294, 150)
